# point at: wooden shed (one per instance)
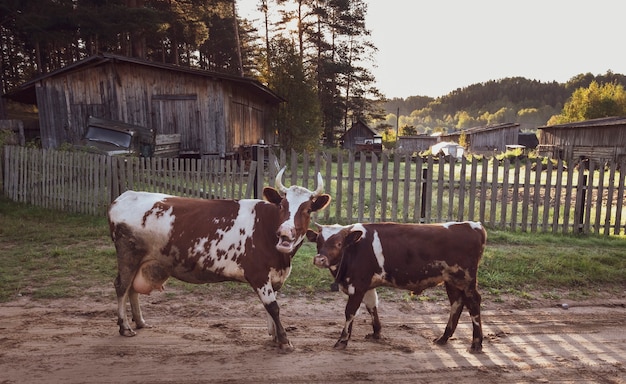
(361, 137)
(486, 139)
(214, 113)
(415, 144)
(598, 139)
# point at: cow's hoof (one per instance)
(373, 336)
(475, 348)
(143, 325)
(441, 341)
(341, 344)
(127, 332)
(288, 347)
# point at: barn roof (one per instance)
(360, 123)
(486, 128)
(25, 93)
(600, 122)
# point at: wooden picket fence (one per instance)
(516, 195)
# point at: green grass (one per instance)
(49, 254)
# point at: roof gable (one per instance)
(600, 122)
(26, 92)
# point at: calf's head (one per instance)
(295, 207)
(332, 241)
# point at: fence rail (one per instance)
(510, 194)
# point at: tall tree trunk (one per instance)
(137, 38)
(236, 30)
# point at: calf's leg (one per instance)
(354, 302)
(455, 296)
(472, 301)
(371, 303)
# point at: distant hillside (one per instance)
(528, 102)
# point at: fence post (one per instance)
(580, 202)
(258, 155)
(424, 190)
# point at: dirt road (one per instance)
(199, 339)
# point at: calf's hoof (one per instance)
(372, 336)
(476, 348)
(441, 341)
(341, 345)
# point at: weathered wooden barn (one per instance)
(361, 137)
(487, 139)
(415, 144)
(215, 114)
(601, 139)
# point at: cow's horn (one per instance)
(279, 183)
(320, 185)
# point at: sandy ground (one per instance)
(218, 339)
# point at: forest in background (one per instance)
(313, 53)
(530, 103)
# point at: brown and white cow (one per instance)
(207, 241)
(414, 257)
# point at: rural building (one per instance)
(415, 144)
(448, 148)
(598, 139)
(528, 140)
(360, 137)
(215, 114)
(487, 139)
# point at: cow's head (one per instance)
(332, 241)
(296, 205)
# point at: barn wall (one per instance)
(213, 116)
(493, 140)
(415, 144)
(356, 135)
(595, 142)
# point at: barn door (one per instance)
(178, 114)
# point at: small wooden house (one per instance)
(214, 113)
(487, 139)
(360, 137)
(597, 139)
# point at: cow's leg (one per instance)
(472, 301)
(354, 302)
(133, 297)
(268, 298)
(455, 296)
(371, 303)
(130, 252)
(121, 289)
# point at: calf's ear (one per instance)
(270, 194)
(311, 235)
(320, 202)
(353, 237)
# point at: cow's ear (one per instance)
(353, 237)
(272, 195)
(311, 235)
(320, 202)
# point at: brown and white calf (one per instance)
(207, 241)
(414, 257)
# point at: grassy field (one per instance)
(50, 254)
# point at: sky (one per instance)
(432, 47)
